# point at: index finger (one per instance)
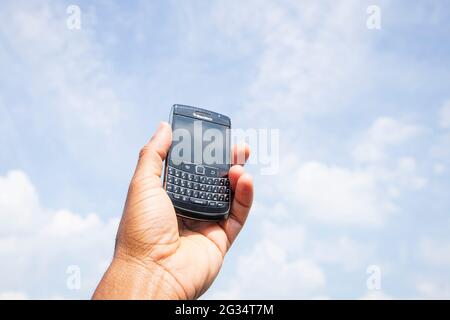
(240, 153)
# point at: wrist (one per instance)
(128, 278)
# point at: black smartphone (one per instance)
(198, 162)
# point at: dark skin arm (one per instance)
(159, 255)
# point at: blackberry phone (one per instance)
(198, 162)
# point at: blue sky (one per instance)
(364, 120)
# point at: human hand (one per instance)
(159, 255)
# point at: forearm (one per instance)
(126, 280)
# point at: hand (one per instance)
(159, 255)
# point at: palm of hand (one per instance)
(189, 253)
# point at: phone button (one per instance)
(187, 167)
(198, 201)
(177, 196)
(221, 205)
(212, 204)
(200, 170)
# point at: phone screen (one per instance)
(200, 142)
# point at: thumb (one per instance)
(152, 155)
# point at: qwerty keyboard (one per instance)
(204, 189)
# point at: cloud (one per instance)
(64, 67)
(299, 59)
(287, 262)
(440, 149)
(429, 289)
(13, 296)
(300, 53)
(405, 174)
(444, 115)
(342, 251)
(62, 105)
(64, 223)
(37, 244)
(338, 196)
(439, 168)
(275, 268)
(362, 193)
(384, 133)
(435, 253)
(375, 295)
(19, 204)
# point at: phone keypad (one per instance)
(198, 189)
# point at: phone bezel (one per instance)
(184, 209)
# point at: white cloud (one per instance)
(302, 54)
(65, 223)
(275, 268)
(444, 115)
(342, 251)
(439, 168)
(64, 68)
(385, 132)
(440, 149)
(288, 262)
(302, 66)
(338, 196)
(429, 289)
(362, 193)
(273, 277)
(13, 296)
(279, 211)
(38, 244)
(19, 205)
(435, 253)
(406, 174)
(291, 237)
(375, 295)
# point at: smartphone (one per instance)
(198, 162)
